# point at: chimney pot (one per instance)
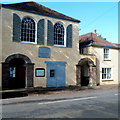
(95, 31)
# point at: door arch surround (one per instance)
(19, 67)
(85, 72)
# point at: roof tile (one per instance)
(96, 40)
(37, 8)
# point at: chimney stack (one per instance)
(95, 31)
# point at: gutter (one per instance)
(96, 45)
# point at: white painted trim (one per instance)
(106, 79)
(35, 30)
(28, 42)
(64, 36)
(59, 45)
(105, 53)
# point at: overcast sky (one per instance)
(102, 16)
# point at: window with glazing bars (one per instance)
(106, 73)
(28, 30)
(106, 53)
(59, 34)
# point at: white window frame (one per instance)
(106, 52)
(108, 75)
(64, 36)
(35, 32)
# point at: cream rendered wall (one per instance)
(111, 63)
(70, 55)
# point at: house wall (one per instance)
(111, 63)
(69, 55)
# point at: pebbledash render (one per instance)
(40, 48)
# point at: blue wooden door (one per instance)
(60, 75)
(56, 74)
(51, 79)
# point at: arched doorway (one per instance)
(85, 75)
(85, 72)
(17, 72)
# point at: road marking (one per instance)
(115, 94)
(66, 100)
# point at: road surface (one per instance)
(80, 104)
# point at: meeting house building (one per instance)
(40, 48)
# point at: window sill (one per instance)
(88, 54)
(107, 60)
(59, 46)
(28, 42)
(107, 80)
(84, 54)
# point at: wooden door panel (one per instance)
(20, 76)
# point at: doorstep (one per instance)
(13, 93)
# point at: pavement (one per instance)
(60, 94)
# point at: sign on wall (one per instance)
(40, 72)
(44, 52)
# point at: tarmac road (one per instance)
(101, 103)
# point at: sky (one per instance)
(102, 16)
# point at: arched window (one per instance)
(59, 34)
(28, 30)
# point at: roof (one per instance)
(117, 44)
(39, 9)
(95, 40)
